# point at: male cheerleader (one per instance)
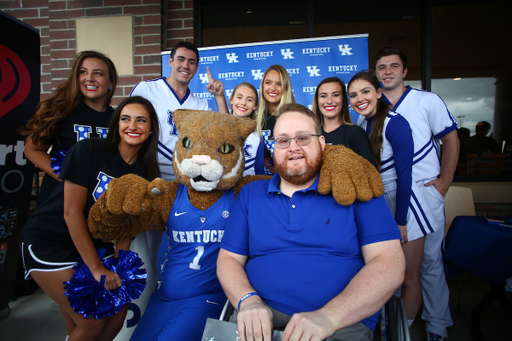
(430, 121)
(172, 93)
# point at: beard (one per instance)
(300, 176)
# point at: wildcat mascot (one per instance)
(208, 162)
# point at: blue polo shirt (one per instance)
(304, 250)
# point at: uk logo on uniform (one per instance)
(313, 71)
(287, 54)
(103, 180)
(173, 131)
(204, 78)
(82, 132)
(345, 50)
(232, 57)
(102, 132)
(246, 149)
(257, 74)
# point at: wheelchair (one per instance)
(392, 322)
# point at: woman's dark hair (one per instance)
(344, 117)
(378, 120)
(41, 127)
(149, 149)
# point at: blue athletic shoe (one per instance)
(434, 337)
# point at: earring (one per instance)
(110, 88)
(150, 133)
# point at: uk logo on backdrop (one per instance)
(307, 61)
(345, 50)
(204, 78)
(257, 74)
(287, 54)
(232, 57)
(313, 71)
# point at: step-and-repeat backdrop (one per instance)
(307, 61)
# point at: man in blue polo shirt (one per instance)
(291, 257)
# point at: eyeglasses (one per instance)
(301, 140)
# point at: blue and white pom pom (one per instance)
(89, 297)
(58, 159)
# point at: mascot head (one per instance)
(209, 153)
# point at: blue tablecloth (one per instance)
(472, 244)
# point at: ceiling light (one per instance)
(469, 99)
(457, 79)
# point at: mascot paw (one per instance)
(125, 209)
(348, 176)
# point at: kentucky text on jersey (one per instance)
(264, 54)
(236, 74)
(202, 236)
(316, 50)
(344, 68)
(208, 59)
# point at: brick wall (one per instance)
(179, 23)
(158, 24)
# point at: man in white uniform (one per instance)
(430, 122)
(172, 93)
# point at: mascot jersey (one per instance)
(194, 237)
(81, 123)
(166, 101)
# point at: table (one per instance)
(484, 249)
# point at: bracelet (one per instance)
(246, 296)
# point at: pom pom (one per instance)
(89, 298)
(58, 159)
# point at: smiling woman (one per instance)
(244, 103)
(134, 126)
(275, 91)
(79, 109)
(56, 235)
(330, 104)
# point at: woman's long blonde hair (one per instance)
(286, 97)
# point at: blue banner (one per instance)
(307, 61)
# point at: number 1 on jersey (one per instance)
(195, 263)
